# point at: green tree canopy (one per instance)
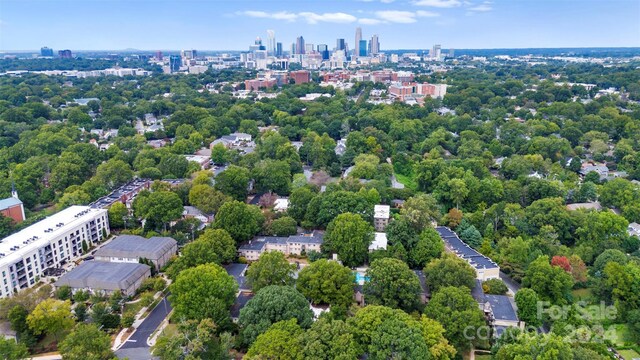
(88, 342)
(272, 268)
(326, 282)
(240, 220)
(391, 283)
(449, 270)
(349, 236)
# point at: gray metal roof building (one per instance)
(106, 276)
(130, 248)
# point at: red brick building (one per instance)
(12, 208)
(300, 76)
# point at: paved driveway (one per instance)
(136, 348)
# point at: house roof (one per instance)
(241, 301)
(9, 202)
(238, 271)
(379, 241)
(381, 211)
(464, 251)
(502, 307)
(136, 246)
(103, 275)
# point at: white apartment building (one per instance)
(381, 214)
(48, 244)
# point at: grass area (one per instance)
(621, 332)
(629, 354)
(407, 181)
(582, 294)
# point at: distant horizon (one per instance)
(399, 24)
(382, 50)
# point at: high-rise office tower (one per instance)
(362, 48)
(300, 45)
(308, 48)
(435, 51)
(65, 54)
(358, 41)
(175, 61)
(159, 55)
(340, 44)
(323, 49)
(279, 49)
(271, 42)
(451, 52)
(46, 52)
(374, 45)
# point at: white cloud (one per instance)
(484, 7)
(369, 21)
(397, 16)
(387, 1)
(339, 17)
(422, 13)
(438, 3)
(310, 17)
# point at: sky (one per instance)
(234, 25)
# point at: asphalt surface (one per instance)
(148, 326)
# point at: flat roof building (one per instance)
(29, 254)
(102, 276)
(292, 245)
(131, 248)
(381, 216)
(485, 267)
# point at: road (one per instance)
(511, 284)
(136, 348)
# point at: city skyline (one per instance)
(402, 24)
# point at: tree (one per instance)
(117, 215)
(270, 305)
(113, 173)
(527, 303)
(494, 287)
(433, 333)
(193, 340)
(607, 256)
(327, 282)
(457, 311)
(391, 283)
(283, 226)
(206, 291)
(534, 346)
(430, 246)
(272, 268)
(234, 181)
(159, 207)
(206, 199)
(272, 175)
(11, 350)
(349, 236)
(458, 191)
(173, 165)
(420, 211)
(394, 339)
(471, 236)
(86, 341)
(329, 340)
(578, 269)
(449, 270)
(298, 202)
(214, 246)
(561, 262)
(52, 317)
(63, 292)
(239, 220)
(220, 154)
(282, 341)
(549, 282)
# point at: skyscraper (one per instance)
(323, 49)
(374, 45)
(271, 42)
(46, 52)
(358, 49)
(435, 51)
(362, 48)
(451, 52)
(300, 45)
(279, 49)
(65, 54)
(340, 45)
(175, 61)
(159, 55)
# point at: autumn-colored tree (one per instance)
(562, 262)
(578, 269)
(455, 217)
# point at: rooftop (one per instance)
(103, 275)
(379, 242)
(464, 251)
(502, 307)
(590, 205)
(137, 246)
(381, 211)
(241, 300)
(9, 202)
(13, 247)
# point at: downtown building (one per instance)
(37, 250)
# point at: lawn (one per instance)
(408, 181)
(582, 294)
(621, 332)
(483, 357)
(627, 354)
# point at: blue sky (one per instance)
(233, 25)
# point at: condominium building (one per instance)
(485, 268)
(292, 245)
(48, 244)
(381, 217)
